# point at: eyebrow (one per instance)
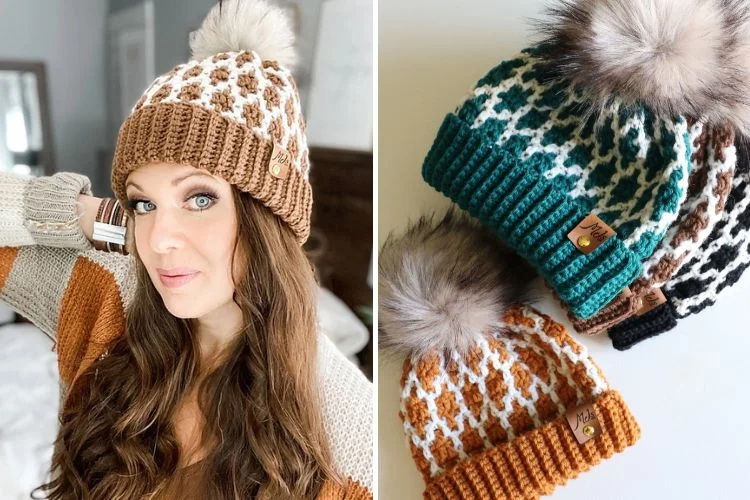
(175, 181)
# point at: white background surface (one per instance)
(29, 394)
(687, 388)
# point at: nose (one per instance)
(165, 232)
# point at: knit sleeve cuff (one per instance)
(50, 210)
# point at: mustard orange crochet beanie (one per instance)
(233, 110)
(505, 408)
(524, 411)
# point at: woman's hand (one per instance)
(87, 208)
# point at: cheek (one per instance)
(208, 243)
(145, 254)
(140, 238)
(215, 243)
(231, 258)
(239, 266)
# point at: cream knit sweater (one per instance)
(51, 274)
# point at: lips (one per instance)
(176, 277)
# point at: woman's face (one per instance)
(185, 229)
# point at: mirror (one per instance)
(25, 132)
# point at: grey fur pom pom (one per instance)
(677, 57)
(238, 25)
(442, 283)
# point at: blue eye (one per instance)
(203, 201)
(134, 204)
(200, 202)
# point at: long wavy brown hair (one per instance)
(263, 420)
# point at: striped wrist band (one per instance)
(110, 227)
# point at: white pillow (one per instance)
(340, 324)
(6, 313)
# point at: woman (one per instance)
(192, 366)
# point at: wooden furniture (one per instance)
(341, 240)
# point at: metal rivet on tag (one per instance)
(590, 233)
(280, 163)
(583, 422)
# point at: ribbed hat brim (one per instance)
(530, 213)
(536, 462)
(187, 134)
(639, 328)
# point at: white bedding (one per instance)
(340, 324)
(29, 392)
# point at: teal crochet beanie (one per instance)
(525, 155)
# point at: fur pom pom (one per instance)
(442, 284)
(677, 57)
(238, 25)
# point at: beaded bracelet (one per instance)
(110, 227)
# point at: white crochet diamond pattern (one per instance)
(528, 338)
(711, 197)
(713, 280)
(269, 91)
(601, 193)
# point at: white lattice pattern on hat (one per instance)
(561, 153)
(708, 195)
(713, 278)
(185, 75)
(527, 338)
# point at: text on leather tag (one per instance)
(583, 422)
(652, 299)
(281, 162)
(590, 233)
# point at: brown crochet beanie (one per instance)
(232, 110)
(507, 410)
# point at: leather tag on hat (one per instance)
(625, 294)
(652, 299)
(590, 233)
(583, 422)
(281, 162)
